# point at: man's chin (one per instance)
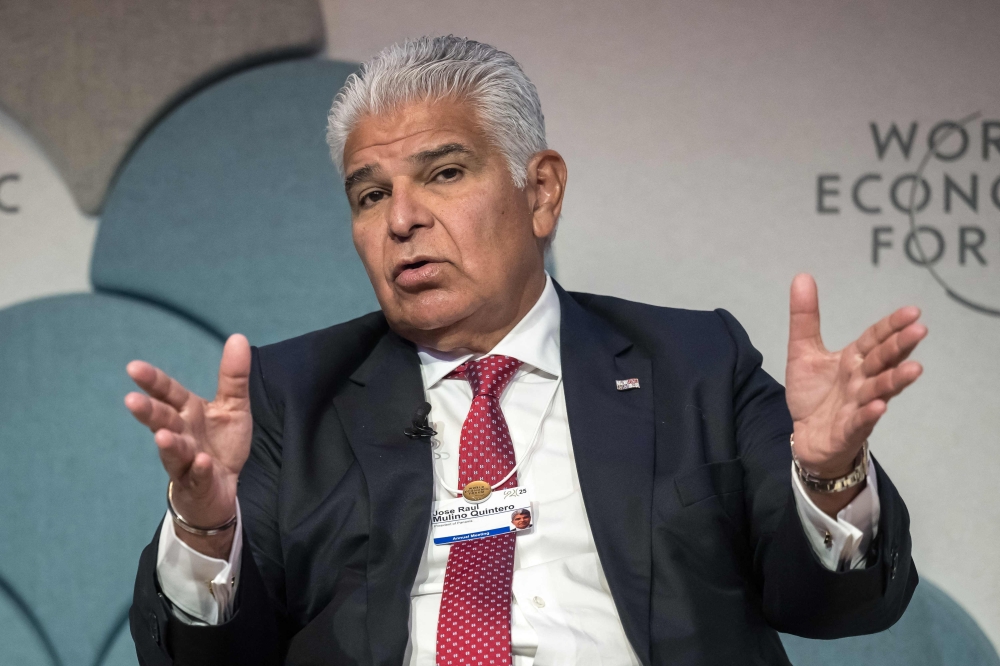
(422, 322)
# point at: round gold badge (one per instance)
(476, 491)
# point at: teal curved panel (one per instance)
(231, 210)
(120, 648)
(934, 631)
(22, 640)
(81, 485)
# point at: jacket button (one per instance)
(154, 628)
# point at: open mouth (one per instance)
(415, 273)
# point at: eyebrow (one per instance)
(363, 173)
(423, 157)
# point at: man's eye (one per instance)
(451, 173)
(371, 197)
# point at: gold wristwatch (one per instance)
(827, 486)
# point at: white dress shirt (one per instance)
(562, 613)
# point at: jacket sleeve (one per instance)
(257, 633)
(799, 595)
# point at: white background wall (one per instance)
(694, 133)
(45, 240)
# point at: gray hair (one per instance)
(439, 67)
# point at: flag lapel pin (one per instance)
(626, 384)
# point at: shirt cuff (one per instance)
(200, 588)
(840, 543)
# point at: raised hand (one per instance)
(836, 398)
(203, 445)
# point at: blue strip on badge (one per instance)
(474, 535)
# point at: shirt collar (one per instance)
(534, 341)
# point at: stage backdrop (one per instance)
(715, 149)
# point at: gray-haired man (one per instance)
(671, 525)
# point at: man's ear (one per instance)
(546, 185)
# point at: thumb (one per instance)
(234, 373)
(803, 329)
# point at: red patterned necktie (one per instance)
(474, 621)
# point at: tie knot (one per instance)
(489, 375)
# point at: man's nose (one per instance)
(406, 211)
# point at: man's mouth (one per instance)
(416, 273)
(415, 265)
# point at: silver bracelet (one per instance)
(188, 527)
(827, 486)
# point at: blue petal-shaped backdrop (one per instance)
(934, 631)
(20, 641)
(81, 485)
(231, 210)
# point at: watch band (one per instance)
(827, 486)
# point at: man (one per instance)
(671, 524)
(521, 519)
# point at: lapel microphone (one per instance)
(420, 427)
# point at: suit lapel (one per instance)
(375, 405)
(613, 442)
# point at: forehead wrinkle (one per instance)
(397, 139)
(432, 154)
(373, 168)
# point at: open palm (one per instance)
(836, 398)
(203, 445)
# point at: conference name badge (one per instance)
(505, 511)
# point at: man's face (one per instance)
(522, 521)
(447, 239)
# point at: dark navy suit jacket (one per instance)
(686, 482)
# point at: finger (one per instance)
(864, 420)
(198, 475)
(154, 414)
(883, 328)
(234, 373)
(889, 383)
(176, 452)
(158, 384)
(804, 309)
(894, 350)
